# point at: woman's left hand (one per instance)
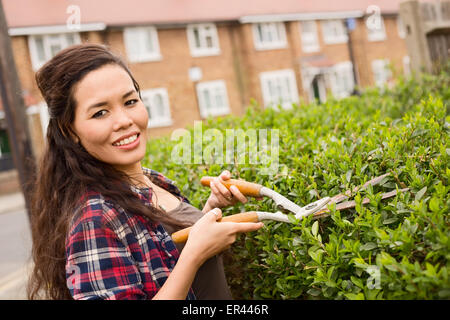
(222, 197)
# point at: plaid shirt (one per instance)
(113, 254)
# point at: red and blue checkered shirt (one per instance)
(114, 254)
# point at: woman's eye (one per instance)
(98, 114)
(131, 102)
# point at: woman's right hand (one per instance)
(209, 237)
(206, 239)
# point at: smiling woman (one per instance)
(109, 114)
(98, 217)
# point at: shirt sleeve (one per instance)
(99, 266)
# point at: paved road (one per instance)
(15, 246)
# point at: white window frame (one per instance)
(275, 30)
(338, 25)
(212, 87)
(401, 28)
(44, 117)
(310, 40)
(162, 121)
(279, 76)
(376, 34)
(135, 39)
(381, 72)
(204, 30)
(308, 74)
(342, 79)
(47, 40)
(406, 66)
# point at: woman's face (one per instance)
(110, 119)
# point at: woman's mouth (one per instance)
(128, 143)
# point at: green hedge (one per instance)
(392, 249)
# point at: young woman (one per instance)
(100, 219)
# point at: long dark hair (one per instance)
(66, 170)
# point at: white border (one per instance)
(202, 52)
(211, 85)
(35, 62)
(309, 47)
(328, 39)
(143, 56)
(163, 121)
(378, 35)
(301, 16)
(288, 73)
(280, 44)
(23, 31)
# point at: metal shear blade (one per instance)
(312, 207)
(301, 212)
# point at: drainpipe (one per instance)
(350, 25)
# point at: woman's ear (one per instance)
(74, 137)
(71, 133)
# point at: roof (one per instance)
(27, 13)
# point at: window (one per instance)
(141, 44)
(279, 87)
(203, 39)
(310, 41)
(46, 46)
(381, 72)
(376, 30)
(212, 98)
(342, 80)
(157, 103)
(406, 66)
(334, 31)
(269, 35)
(401, 28)
(4, 143)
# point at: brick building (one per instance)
(200, 58)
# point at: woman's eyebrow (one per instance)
(99, 104)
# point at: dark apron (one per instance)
(210, 282)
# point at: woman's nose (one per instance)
(122, 119)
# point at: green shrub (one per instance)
(392, 249)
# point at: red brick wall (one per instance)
(257, 61)
(239, 65)
(172, 73)
(392, 48)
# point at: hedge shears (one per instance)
(318, 208)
